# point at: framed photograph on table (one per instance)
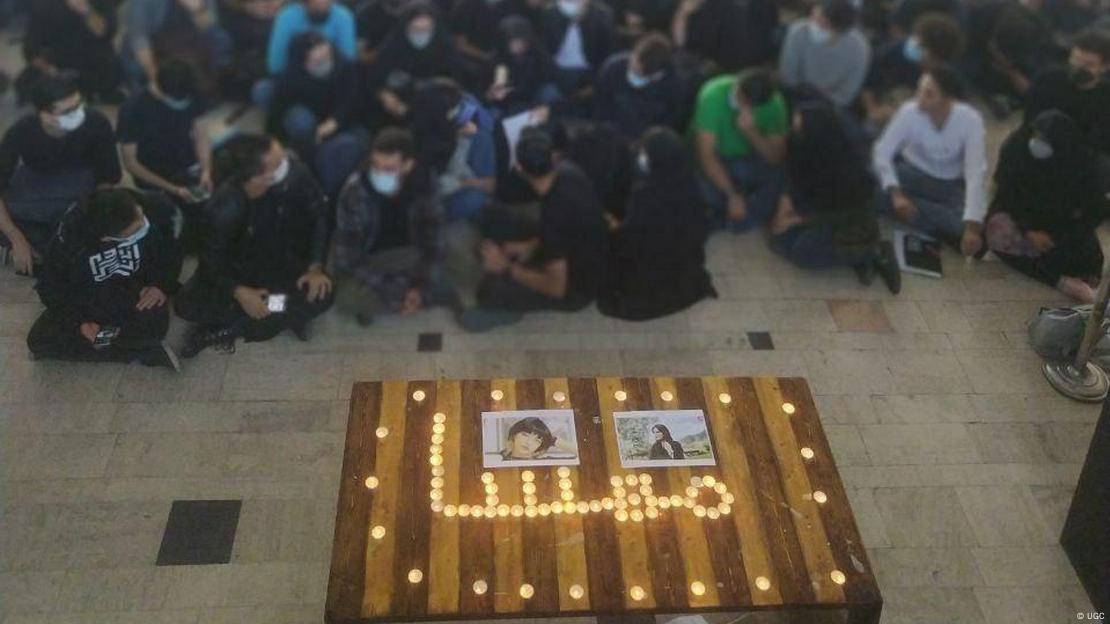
(662, 438)
(518, 439)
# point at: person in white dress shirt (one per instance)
(932, 164)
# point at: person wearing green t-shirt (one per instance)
(739, 132)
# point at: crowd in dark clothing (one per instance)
(499, 157)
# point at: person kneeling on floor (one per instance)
(104, 282)
(264, 243)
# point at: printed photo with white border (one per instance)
(529, 438)
(661, 438)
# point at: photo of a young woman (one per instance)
(665, 447)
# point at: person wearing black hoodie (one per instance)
(264, 245)
(1048, 200)
(523, 72)
(104, 283)
(826, 217)
(657, 253)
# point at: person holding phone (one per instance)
(265, 235)
(104, 283)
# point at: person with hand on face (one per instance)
(48, 159)
(104, 284)
(310, 95)
(1081, 90)
(581, 35)
(418, 48)
(161, 140)
(1048, 201)
(523, 72)
(387, 255)
(827, 52)
(739, 129)
(264, 244)
(558, 264)
(640, 89)
(932, 163)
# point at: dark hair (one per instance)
(393, 140)
(240, 159)
(949, 81)
(1094, 40)
(110, 211)
(823, 165)
(840, 13)
(653, 51)
(435, 134)
(941, 35)
(661, 428)
(756, 85)
(534, 152)
(536, 427)
(50, 89)
(302, 45)
(177, 79)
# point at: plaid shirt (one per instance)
(358, 225)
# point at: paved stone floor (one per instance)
(959, 458)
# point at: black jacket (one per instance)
(85, 279)
(598, 33)
(268, 241)
(632, 110)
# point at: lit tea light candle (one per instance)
(763, 583)
(620, 503)
(634, 499)
(725, 398)
(697, 588)
(728, 498)
(544, 509)
(464, 510)
(724, 508)
(491, 488)
(666, 395)
(490, 511)
(487, 477)
(691, 492)
(645, 478)
(450, 510)
(438, 471)
(583, 507)
(665, 502)
(838, 577)
(381, 432)
(820, 496)
(503, 510)
(439, 428)
(418, 395)
(527, 476)
(631, 480)
(713, 513)
(621, 515)
(567, 495)
(437, 506)
(619, 492)
(527, 591)
(637, 593)
(415, 576)
(616, 481)
(435, 460)
(636, 515)
(565, 484)
(607, 503)
(807, 452)
(437, 483)
(570, 509)
(696, 482)
(651, 500)
(528, 488)
(699, 511)
(559, 396)
(652, 512)
(645, 491)
(439, 417)
(788, 408)
(620, 395)
(720, 488)
(531, 499)
(437, 438)
(371, 482)
(557, 507)
(676, 500)
(497, 395)
(595, 506)
(689, 503)
(709, 481)
(492, 500)
(531, 511)
(480, 587)
(377, 532)
(563, 472)
(576, 591)
(435, 449)
(516, 511)
(436, 494)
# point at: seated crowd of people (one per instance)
(497, 157)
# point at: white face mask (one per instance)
(638, 81)
(420, 39)
(569, 8)
(1040, 149)
(321, 70)
(72, 120)
(642, 162)
(385, 182)
(818, 34)
(134, 238)
(281, 172)
(913, 51)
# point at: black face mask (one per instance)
(1081, 77)
(318, 18)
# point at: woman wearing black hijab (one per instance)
(657, 254)
(1049, 198)
(826, 217)
(528, 75)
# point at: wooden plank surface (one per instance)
(786, 540)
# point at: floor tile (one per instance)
(924, 517)
(1032, 605)
(289, 377)
(925, 567)
(927, 605)
(919, 444)
(859, 316)
(1025, 566)
(1004, 516)
(199, 532)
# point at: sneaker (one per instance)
(300, 330)
(163, 355)
(886, 265)
(222, 339)
(865, 272)
(364, 319)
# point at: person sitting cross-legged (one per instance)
(104, 283)
(1048, 201)
(264, 241)
(387, 252)
(555, 264)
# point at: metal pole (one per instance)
(1080, 379)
